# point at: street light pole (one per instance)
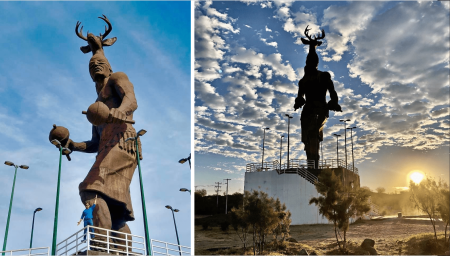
(289, 122)
(345, 141)
(67, 151)
(147, 237)
(351, 135)
(11, 201)
(183, 160)
(337, 148)
(262, 160)
(32, 226)
(176, 232)
(281, 146)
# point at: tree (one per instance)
(444, 208)
(261, 215)
(201, 192)
(425, 196)
(381, 190)
(339, 203)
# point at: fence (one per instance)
(299, 163)
(29, 252)
(164, 248)
(104, 240)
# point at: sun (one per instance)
(416, 176)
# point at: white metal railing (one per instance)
(28, 252)
(299, 163)
(104, 240)
(164, 248)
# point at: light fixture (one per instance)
(141, 132)
(9, 163)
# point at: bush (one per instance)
(224, 226)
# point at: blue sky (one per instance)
(389, 63)
(44, 80)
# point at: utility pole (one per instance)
(226, 198)
(217, 191)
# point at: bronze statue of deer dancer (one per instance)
(312, 92)
(110, 176)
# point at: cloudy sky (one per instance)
(389, 63)
(44, 80)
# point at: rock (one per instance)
(291, 239)
(372, 251)
(313, 253)
(303, 252)
(368, 243)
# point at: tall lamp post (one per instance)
(281, 146)
(289, 122)
(182, 161)
(262, 160)
(176, 231)
(345, 141)
(32, 226)
(185, 190)
(66, 151)
(351, 136)
(147, 237)
(337, 148)
(11, 200)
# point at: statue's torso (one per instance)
(111, 134)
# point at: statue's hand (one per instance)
(334, 106)
(116, 116)
(299, 102)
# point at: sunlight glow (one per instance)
(417, 177)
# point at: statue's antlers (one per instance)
(96, 43)
(107, 30)
(313, 40)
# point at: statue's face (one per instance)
(87, 206)
(99, 67)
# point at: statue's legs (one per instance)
(119, 224)
(312, 134)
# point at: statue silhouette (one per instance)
(312, 91)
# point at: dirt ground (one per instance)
(390, 236)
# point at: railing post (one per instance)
(126, 243)
(76, 243)
(88, 238)
(107, 240)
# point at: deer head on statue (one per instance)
(312, 60)
(96, 43)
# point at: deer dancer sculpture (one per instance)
(111, 174)
(314, 86)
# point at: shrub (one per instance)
(224, 226)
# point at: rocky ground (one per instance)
(391, 236)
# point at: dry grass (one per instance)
(392, 237)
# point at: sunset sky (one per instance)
(44, 80)
(389, 63)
